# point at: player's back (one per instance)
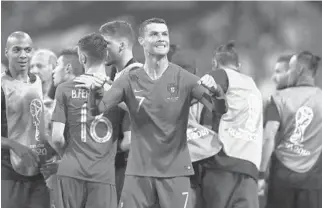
(91, 148)
(159, 112)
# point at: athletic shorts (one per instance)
(224, 189)
(24, 194)
(280, 196)
(151, 192)
(75, 193)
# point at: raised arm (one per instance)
(103, 94)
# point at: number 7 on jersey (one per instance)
(140, 99)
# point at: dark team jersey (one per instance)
(91, 141)
(159, 112)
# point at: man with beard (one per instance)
(294, 118)
(23, 138)
(86, 173)
(158, 96)
(119, 36)
(42, 64)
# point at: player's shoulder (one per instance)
(62, 87)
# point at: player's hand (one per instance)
(28, 156)
(208, 82)
(49, 169)
(91, 82)
(261, 187)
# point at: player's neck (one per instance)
(19, 75)
(45, 87)
(126, 57)
(155, 66)
(96, 69)
(305, 80)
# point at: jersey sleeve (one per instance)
(216, 103)
(59, 114)
(114, 95)
(4, 125)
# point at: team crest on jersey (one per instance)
(173, 90)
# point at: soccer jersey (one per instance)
(91, 141)
(159, 112)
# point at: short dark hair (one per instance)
(94, 46)
(226, 54)
(309, 60)
(118, 28)
(70, 56)
(150, 21)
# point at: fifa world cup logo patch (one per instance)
(36, 107)
(303, 118)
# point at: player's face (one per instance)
(156, 39)
(279, 70)
(59, 72)
(19, 53)
(39, 65)
(113, 48)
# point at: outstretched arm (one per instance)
(103, 94)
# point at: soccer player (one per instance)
(281, 67)
(158, 96)
(229, 178)
(67, 68)
(23, 148)
(86, 173)
(119, 36)
(293, 132)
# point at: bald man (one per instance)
(23, 139)
(42, 63)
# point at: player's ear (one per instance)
(141, 40)
(6, 52)
(83, 58)
(214, 64)
(122, 46)
(68, 69)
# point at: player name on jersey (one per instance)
(79, 93)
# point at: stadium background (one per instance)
(262, 30)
